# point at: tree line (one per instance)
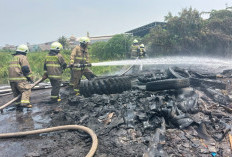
(189, 34)
(184, 34)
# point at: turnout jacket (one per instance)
(135, 49)
(19, 69)
(79, 55)
(54, 65)
(142, 52)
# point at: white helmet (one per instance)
(22, 48)
(84, 40)
(56, 46)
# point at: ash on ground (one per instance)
(193, 121)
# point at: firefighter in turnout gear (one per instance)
(135, 49)
(19, 76)
(53, 67)
(142, 51)
(80, 56)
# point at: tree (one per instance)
(64, 42)
(182, 34)
(116, 48)
(219, 33)
(189, 34)
(97, 50)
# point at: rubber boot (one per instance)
(27, 105)
(54, 100)
(77, 92)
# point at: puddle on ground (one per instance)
(16, 120)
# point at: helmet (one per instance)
(56, 46)
(135, 41)
(84, 40)
(22, 48)
(141, 46)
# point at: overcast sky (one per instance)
(38, 21)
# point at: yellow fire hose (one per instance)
(58, 128)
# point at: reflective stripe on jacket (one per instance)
(135, 49)
(53, 65)
(15, 68)
(79, 56)
(142, 52)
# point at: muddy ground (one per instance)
(132, 123)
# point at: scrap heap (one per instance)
(192, 121)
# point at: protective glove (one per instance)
(30, 80)
(71, 65)
(64, 66)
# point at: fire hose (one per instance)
(58, 128)
(80, 65)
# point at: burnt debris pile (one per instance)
(170, 121)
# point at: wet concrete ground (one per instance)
(15, 120)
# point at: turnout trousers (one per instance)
(76, 77)
(23, 88)
(55, 88)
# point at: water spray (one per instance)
(170, 61)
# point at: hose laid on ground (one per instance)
(58, 128)
(16, 98)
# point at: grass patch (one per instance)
(36, 60)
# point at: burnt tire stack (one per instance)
(167, 84)
(105, 85)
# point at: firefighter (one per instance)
(135, 50)
(80, 56)
(53, 67)
(20, 75)
(142, 51)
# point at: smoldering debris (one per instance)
(188, 121)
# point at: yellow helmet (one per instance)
(84, 40)
(22, 48)
(135, 41)
(141, 46)
(56, 46)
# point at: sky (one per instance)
(39, 21)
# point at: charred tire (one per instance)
(102, 87)
(167, 84)
(84, 88)
(97, 87)
(206, 82)
(108, 85)
(175, 74)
